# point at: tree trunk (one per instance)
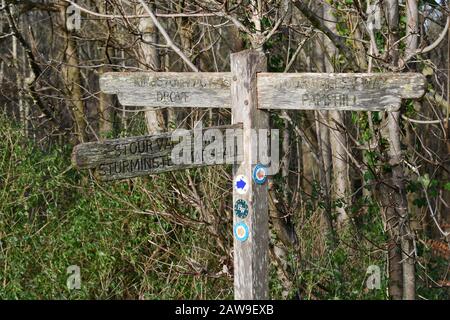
(323, 140)
(393, 196)
(16, 64)
(105, 109)
(337, 137)
(186, 36)
(412, 26)
(72, 77)
(408, 241)
(151, 60)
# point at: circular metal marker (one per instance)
(241, 184)
(241, 231)
(259, 174)
(241, 208)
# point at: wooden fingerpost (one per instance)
(250, 229)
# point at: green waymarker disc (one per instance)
(241, 208)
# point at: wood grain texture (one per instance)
(300, 91)
(250, 256)
(169, 89)
(339, 91)
(139, 156)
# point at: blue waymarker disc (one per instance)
(241, 208)
(259, 174)
(241, 184)
(241, 231)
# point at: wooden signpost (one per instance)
(249, 92)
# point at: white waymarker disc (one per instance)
(241, 231)
(241, 184)
(259, 174)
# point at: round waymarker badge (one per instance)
(259, 174)
(241, 184)
(241, 208)
(241, 231)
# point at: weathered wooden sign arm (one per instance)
(169, 89)
(299, 91)
(141, 156)
(338, 91)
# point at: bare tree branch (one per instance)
(319, 24)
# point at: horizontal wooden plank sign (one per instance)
(169, 89)
(144, 155)
(338, 91)
(299, 91)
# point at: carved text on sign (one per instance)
(298, 91)
(130, 166)
(336, 83)
(169, 89)
(182, 149)
(339, 91)
(336, 100)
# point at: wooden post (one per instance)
(251, 233)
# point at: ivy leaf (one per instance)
(368, 175)
(447, 186)
(420, 202)
(425, 180)
(427, 71)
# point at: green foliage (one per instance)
(433, 270)
(447, 186)
(52, 218)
